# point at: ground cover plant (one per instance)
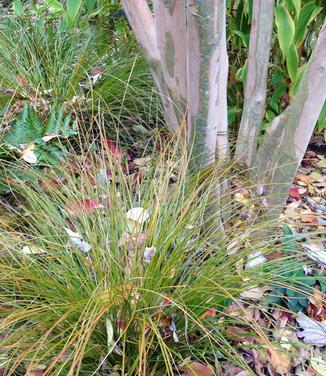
(113, 271)
(125, 250)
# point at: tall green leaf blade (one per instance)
(55, 5)
(285, 28)
(292, 62)
(73, 9)
(18, 7)
(297, 6)
(321, 124)
(307, 14)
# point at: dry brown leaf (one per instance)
(196, 369)
(318, 363)
(280, 361)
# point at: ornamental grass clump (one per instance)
(115, 267)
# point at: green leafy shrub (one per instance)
(79, 70)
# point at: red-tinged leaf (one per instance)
(127, 168)
(294, 193)
(311, 154)
(236, 333)
(105, 201)
(116, 151)
(96, 70)
(310, 218)
(209, 313)
(85, 206)
(196, 369)
(73, 166)
(50, 184)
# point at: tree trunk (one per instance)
(256, 82)
(142, 23)
(170, 25)
(287, 138)
(207, 81)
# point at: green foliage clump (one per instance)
(88, 287)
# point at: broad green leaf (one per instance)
(321, 124)
(242, 72)
(285, 28)
(244, 37)
(277, 77)
(55, 5)
(276, 95)
(307, 14)
(73, 9)
(270, 116)
(90, 4)
(288, 241)
(292, 62)
(297, 6)
(18, 7)
(294, 88)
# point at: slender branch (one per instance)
(287, 138)
(256, 82)
(207, 79)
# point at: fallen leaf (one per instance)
(196, 369)
(49, 137)
(76, 240)
(322, 163)
(31, 250)
(142, 161)
(255, 259)
(294, 193)
(309, 218)
(209, 313)
(319, 365)
(316, 176)
(51, 184)
(314, 332)
(136, 217)
(115, 151)
(149, 253)
(316, 252)
(304, 178)
(84, 206)
(280, 361)
(255, 293)
(241, 198)
(28, 154)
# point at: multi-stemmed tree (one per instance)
(185, 43)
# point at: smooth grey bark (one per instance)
(287, 138)
(142, 22)
(185, 42)
(170, 26)
(256, 81)
(207, 80)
